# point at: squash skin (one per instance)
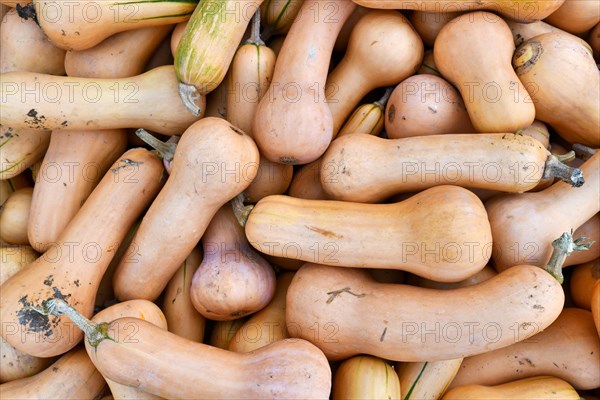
(568, 349)
(73, 268)
(352, 314)
(450, 219)
(575, 17)
(536, 388)
(21, 148)
(365, 377)
(495, 98)
(179, 368)
(521, 11)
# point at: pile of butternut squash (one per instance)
(300, 199)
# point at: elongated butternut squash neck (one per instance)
(352, 314)
(150, 100)
(84, 24)
(503, 162)
(73, 267)
(517, 10)
(571, 342)
(441, 233)
(293, 123)
(21, 148)
(537, 388)
(214, 162)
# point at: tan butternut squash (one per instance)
(223, 331)
(73, 376)
(15, 216)
(591, 230)
(524, 225)
(383, 50)
(565, 85)
(267, 325)
(11, 185)
(495, 161)
(538, 130)
(520, 11)
(536, 388)
(213, 162)
(524, 31)
(568, 349)
(365, 377)
(162, 55)
(20, 149)
(74, 266)
(495, 98)
(487, 273)
(122, 55)
(84, 24)
(426, 380)
(328, 232)
(596, 306)
(216, 101)
(38, 101)
(306, 182)
(24, 45)
(583, 280)
(345, 312)
(576, 16)
(182, 317)
(15, 257)
(341, 42)
(271, 178)
(185, 369)
(429, 24)
(278, 15)
(428, 65)
(233, 280)
(144, 310)
(74, 164)
(293, 123)
(176, 36)
(425, 105)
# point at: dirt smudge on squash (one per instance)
(324, 232)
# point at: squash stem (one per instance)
(165, 150)
(562, 248)
(583, 152)
(241, 211)
(189, 94)
(95, 333)
(556, 169)
(255, 36)
(381, 103)
(565, 158)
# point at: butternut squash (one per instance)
(328, 232)
(213, 162)
(162, 55)
(425, 105)
(583, 280)
(495, 161)
(590, 230)
(345, 312)
(341, 42)
(271, 178)
(84, 24)
(24, 45)
(74, 164)
(524, 225)
(15, 257)
(538, 130)
(519, 11)
(181, 368)
(216, 101)
(428, 65)
(594, 41)
(495, 98)
(9, 186)
(383, 50)
(176, 36)
(426, 380)
(73, 376)
(74, 266)
(568, 349)
(233, 280)
(144, 310)
(182, 317)
(536, 388)
(20, 149)
(122, 55)
(208, 45)
(365, 377)
(367, 118)
(306, 182)
(429, 24)
(38, 101)
(223, 331)
(267, 325)
(525, 31)
(596, 306)
(576, 16)
(562, 73)
(293, 123)
(14, 217)
(487, 273)
(278, 15)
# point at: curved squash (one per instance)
(429, 24)
(495, 98)
(74, 266)
(575, 16)
(365, 377)
(536, 388)
(21, 148)
(426, 380)
(583, 281)
(149, 100)
(15, 216)
(345, 312)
